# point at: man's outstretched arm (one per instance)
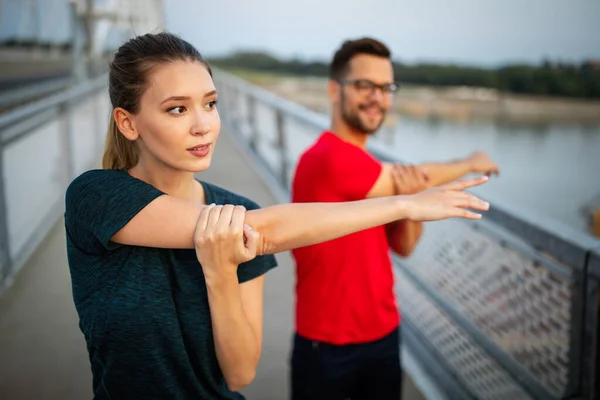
(443, 173)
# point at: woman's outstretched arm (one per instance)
(168, 222)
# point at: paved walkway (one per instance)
(43, 354)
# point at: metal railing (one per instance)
(502, 308)
(43, 146)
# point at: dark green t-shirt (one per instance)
(143, 311)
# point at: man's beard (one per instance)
(352, 118)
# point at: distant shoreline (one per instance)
(460, 104)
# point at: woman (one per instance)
(161, 320)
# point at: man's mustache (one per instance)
(369, 105)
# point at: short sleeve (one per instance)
(99, 203)
(350, 171)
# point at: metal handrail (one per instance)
(14, 125)
(551, 244)
(69, 95)
(568, 245)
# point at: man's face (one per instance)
(365, 93)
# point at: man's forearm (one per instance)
(403, 236)
(236, 344)
(443, 173)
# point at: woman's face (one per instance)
(178, 121)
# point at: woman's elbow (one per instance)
(237, 382)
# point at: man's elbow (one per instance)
(405, 250)
(237, 382)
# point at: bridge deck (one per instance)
(43, 352)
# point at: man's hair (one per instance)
(340, 64)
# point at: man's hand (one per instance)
(481, 163)
(409, 179)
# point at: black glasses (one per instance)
(367, 87)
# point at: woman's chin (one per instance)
(200, 165)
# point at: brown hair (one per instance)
(341, 59)
(128, 80)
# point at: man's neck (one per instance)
(350, 135)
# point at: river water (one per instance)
(551, 171)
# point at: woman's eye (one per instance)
(176, 110)
(212, 105)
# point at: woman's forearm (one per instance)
(286, 226)
(237, 347)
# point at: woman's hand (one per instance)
(222, 241)
(447, 201)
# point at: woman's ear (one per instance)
(125, 123)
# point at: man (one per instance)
(347, 321)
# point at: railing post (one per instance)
(591, 329)
(282, 147)
(231, 112)
(99, 124)
(251, 103)
(77, 41)
(5, 259)
(66, 142)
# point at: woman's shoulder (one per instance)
(218, 195)
(106, 185)
(89, 180)
(98, 176)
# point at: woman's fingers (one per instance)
(467, 200)
(252, 240)
(463, 201)
(468, 214)
(225, 218)
(467, 183)
(203, 218)
(215, 213)
(238, 217)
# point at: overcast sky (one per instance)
(484, 32)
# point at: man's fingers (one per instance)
(398, 174)
(493, 171)
(424, 173)
(419, 175)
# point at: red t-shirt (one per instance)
(345, 287)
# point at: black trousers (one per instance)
(368, 371)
